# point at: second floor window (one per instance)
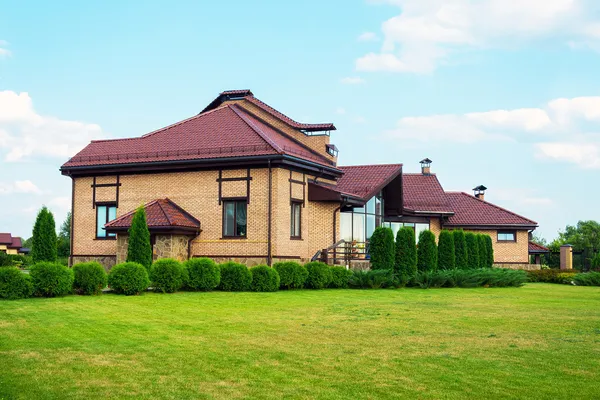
(296, 220)
(235, 218)
(507, 236)
(104, 214)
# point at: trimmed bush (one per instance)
(483, 256)
(472, 250)
(460, 249)
(264, 279)
(235, 277)
(167, 275)
(51, 279)
(139, 248)
(339, 277)
(90, 278)
(319, 275)
(587, 279)
(446, 252)
(485, 277)
(202, 274)
(427, 252)
(382, 249)
(291, 274)
(490, 251)
(14, 284)
(128, 278)
(551, 276)
(406, 252)
(44, 239)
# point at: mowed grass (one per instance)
(539, 341)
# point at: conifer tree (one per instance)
(460, 249)
(406, 252)
(139, 248)
(44, 239)
(382, 249)
(427, 252)
(446, 251)
(483, 257)
(472, 250)
(490, 251)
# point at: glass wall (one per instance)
(360, 223)
(418, 227)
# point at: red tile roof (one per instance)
(224, 132)
(423, 193)
(471, 211)
(5, 238)
(16, 243)
(537, 248)
(10, 241)
(365, 181)
(160, 213)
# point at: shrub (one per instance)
(291, 274)
(427, 252)
(382, 249)
(482, 246)
(14, 284)
(167, 275)
(264, 279)
(490, 251)
(51, 279)
(406, 252)
(339, 277)
(90, 278)
(551, 276)
(373, 279)
(319, 275)
(44, 239)
(460, 249)
(128, 278)
(235, 277)
(485, 277)
(202, 274)
(139, 249)
(587, 279)
(446, 251)
(472, 250)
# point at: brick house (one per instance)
(242, 181)
(11, 244)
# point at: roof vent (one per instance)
(479, 192)
(426, 166)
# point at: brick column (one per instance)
(566, 257)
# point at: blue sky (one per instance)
(501, 93)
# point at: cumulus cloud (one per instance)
(25, 134)
(25, 186)
(583, 154)
(352, 80)
(428, 32)
(367, 37)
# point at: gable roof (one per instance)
(471, 211)
(424, 193)
(226, 132)
(537, 248)
(160, 214)
(365, 181)
(16, 243)
(5, 238)
(12, 242)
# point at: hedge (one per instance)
(382, 248)
(51, 279)
(406, 252)
(446, 251)
(481, 277)
(264, 279)
(339, 277)
(235, 277)
(291, 274)
(460, 249)
(587, 279)
(14, 284)
(319, 275)
(551, 276)
(427, 252)
(128, 278)
(167, 275)
(202, 274)
(90, 278)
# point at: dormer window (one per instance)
(331, 150)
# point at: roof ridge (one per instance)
(131, 212)
(180, 122)
(256, 129)
(419, 174)
(282, 116)
(160, 205)
(372, 165)
(494, 205)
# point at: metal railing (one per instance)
(343, 252)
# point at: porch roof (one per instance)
(535, 248)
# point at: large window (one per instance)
(235, 218)
(507, 236)
(296, 220)
(105, 212)
(359, 223)
(418, 227)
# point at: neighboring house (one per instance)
(242, 181)
(12, 245)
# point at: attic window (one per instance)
(331, 150)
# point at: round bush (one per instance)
(14, 284)
(202, 274)
(264, 279)
(51, 279)
(90, 278)
(339, 277)
(291, 274)
(319, 275)
(128, 278)
(167, 275)
(235, 277)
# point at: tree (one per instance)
(460, 249)
(381, 249)
(446, 251)
(586, 234)
(44, 237)
(406, 252)
(426, 252)
(64, 237)
(490, 251)
(139, 249)
(472, 250)
(483, 257)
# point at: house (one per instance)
(12, 245)
(243, 181)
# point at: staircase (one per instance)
(343, 253)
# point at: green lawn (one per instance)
(539, 341)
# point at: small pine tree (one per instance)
(139, 248)
(382, 249)
(44, 237)
(426, 252)
(406, 252)
(472, 250)
(446, 251)
(490, 251)
(460, 249)
(483, 257)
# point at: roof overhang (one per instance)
(170, 230)
(493, 227)
(317, 192)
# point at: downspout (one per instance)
(269, 217)
(72, 219)
(190, 244)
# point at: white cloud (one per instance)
(26, 134)
(3, 50)
(25, 186)
(367, 37)
(352, 80)
(63, 203)
(428, 32)
(583, 154)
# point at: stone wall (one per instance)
(525, 267)
(107, 261)
(171, 246)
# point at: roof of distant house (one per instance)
(160, 214)
(365, 181)
(471, 211)
(537, 248)
(424, 193)
(12, 242)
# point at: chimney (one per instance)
(480, 192)
(426, 166)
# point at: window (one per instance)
(507, 236)
(234, 218)
(104, 214)
(296, 220)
